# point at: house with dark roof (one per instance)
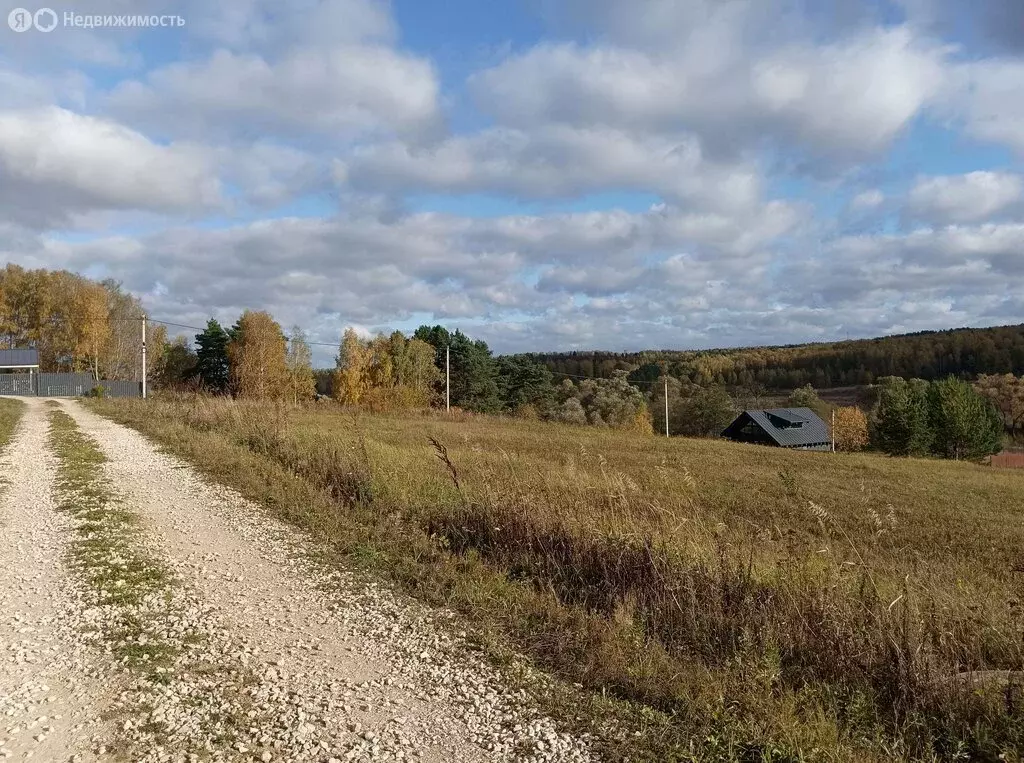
(19, 360)
(798, 428)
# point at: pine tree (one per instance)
(900, 418)
(474, 374)
(212, 357)
(966, 424)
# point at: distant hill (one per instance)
(927, 354)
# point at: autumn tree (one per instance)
(1006, 392)
(415, 368)
(851, 428)
(87, 320)
(76, 324)
(121, 356)
(386, 372)
(402, 372)
(301, 381)
(24, 305)
(256, 356)
(176, 366)
(352, 369)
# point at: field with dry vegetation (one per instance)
(717, 601)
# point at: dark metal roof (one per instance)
(11, 358)
(811, 430)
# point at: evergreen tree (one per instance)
(965, 424)
(212, 357)
(523, 383)
(474, 373)
(900, 418)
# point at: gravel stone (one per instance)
(50, 707)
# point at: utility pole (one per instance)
(448, 378)
(666, 405)
(143, 356)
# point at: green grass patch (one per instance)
(106, 552)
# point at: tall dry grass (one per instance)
(764, 604)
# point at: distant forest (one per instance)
(925, 355)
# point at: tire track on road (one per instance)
(50, 697)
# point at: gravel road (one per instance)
(49, 703)
(308, 663)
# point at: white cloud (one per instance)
(336, 93)
(986, 96)
(964, 198)
(996, 24)
(845, 100)
(55, 163)
(264, 24)
(869, 199)
(557, 161)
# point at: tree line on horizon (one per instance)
(929, 355)
(254, 359)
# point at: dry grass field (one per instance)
(717, 601)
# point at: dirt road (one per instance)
(268, 655)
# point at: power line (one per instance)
(203, 328)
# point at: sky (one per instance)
(543, 174)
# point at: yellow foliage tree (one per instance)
(89, 322)
(352, 372)
(301, 381)
(642, 423)
(75, 323)
(256, 354)
(851, 429)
